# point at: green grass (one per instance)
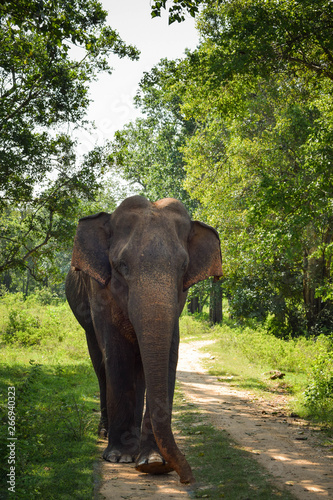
(45, 357)
(56, 402)
(222, 469)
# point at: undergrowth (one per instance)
(45, 357)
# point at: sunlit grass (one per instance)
(56, 405)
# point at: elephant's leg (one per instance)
(77, 296)
(124, 400)
(150, 459)
(98, 364)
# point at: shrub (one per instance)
(318, 395)
(22, 328)
(35, 320)
(44, 296)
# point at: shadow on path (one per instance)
(123, 481)
(287, 447)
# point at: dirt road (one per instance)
(286, 446)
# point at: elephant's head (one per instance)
(148, 255)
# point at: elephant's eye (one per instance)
(185, 265)
(121, 267)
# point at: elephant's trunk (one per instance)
(155, 319)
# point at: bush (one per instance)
(318, 396)
(44, 296)
(34, 320)
(22, 328)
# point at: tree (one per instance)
(262, 37)
(147, 152)
(215, 303)
(177, 10)
(49, 52)
(35, 232)
(260, 159)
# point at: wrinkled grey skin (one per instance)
(127, 287)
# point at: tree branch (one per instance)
(311, 65)
(46, 239)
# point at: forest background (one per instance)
(239, 129)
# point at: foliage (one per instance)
(259, 88)
(22, 328)
(50, 52)
(177, 10)
(149, 157)
(26, 323)
(148, 152)
(318, 395)
(262, 37)
(44, 296)
(46, 270)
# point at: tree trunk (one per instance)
(194, 305)
(314, 273)
(215, 303)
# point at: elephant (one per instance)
(127, 286)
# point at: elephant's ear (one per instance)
(91, 247)
(205, 254)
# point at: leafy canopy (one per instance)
(50, 51)
(260, 90)
(177, 10)
(147, 152)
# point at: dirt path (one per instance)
(286, 446)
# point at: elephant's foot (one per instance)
(102, 432)
(152, 463)
(117, 454)
(102, 429)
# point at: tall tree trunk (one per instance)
(316, 271)
(194, 305)
(215, 303)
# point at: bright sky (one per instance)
(113, 94)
